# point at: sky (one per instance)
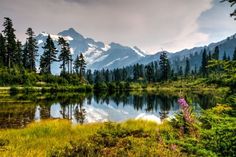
(151, 25)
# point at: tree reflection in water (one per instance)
(80, 112)
(73, 106)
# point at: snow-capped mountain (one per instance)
(98, 55)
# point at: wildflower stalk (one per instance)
(188, 126)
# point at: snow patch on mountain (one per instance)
(112, 62)
(138, 51)
(40, 42)
(92, 54)
(44, 34)
(56, 37)
(100, 58)
(72, 51)
(106, 47)
(68, 38)
(125, 57)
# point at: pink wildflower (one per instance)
(182, 102)
(185, 108)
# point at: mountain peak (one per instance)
(71, 29)
(72, 33)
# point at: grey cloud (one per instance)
(148, 24)
(81, 1)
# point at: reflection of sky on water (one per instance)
(101, 111)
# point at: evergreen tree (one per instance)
(98, 78)
(149, 72)
(2, 51)
(180, 71)
(76, 64)
(172, 74)
(135, 72)
(10, 38)
(65, 54)
(30, 50)
(106, 76)
(164, 66)
(18, 59)
(224, 56)
(195, 69)
(25, 59)
(209, 57)
(89, 76)
(204, 63)
(187, 67)
(48, 57)
(216, 53)
(234, 55)
(124, 74)
(79, 65)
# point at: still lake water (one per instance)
(16, 111)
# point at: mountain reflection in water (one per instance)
(19, 110)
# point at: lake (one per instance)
(16, 111)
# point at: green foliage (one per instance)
(220, 139)
(218, 133)
(100, 86)
(115, 140)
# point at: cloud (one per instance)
(148, 24)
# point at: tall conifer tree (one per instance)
(65, 54)
(225, 56)
(31, 49)
(164, 65)
(10, 37)
(216, 53)
(187, 67)
(79, 65)
(18, 56)
(204, 63)
(48, 57)
(2, 51)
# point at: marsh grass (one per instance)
(39, 137)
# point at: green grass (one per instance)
(38, 138)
